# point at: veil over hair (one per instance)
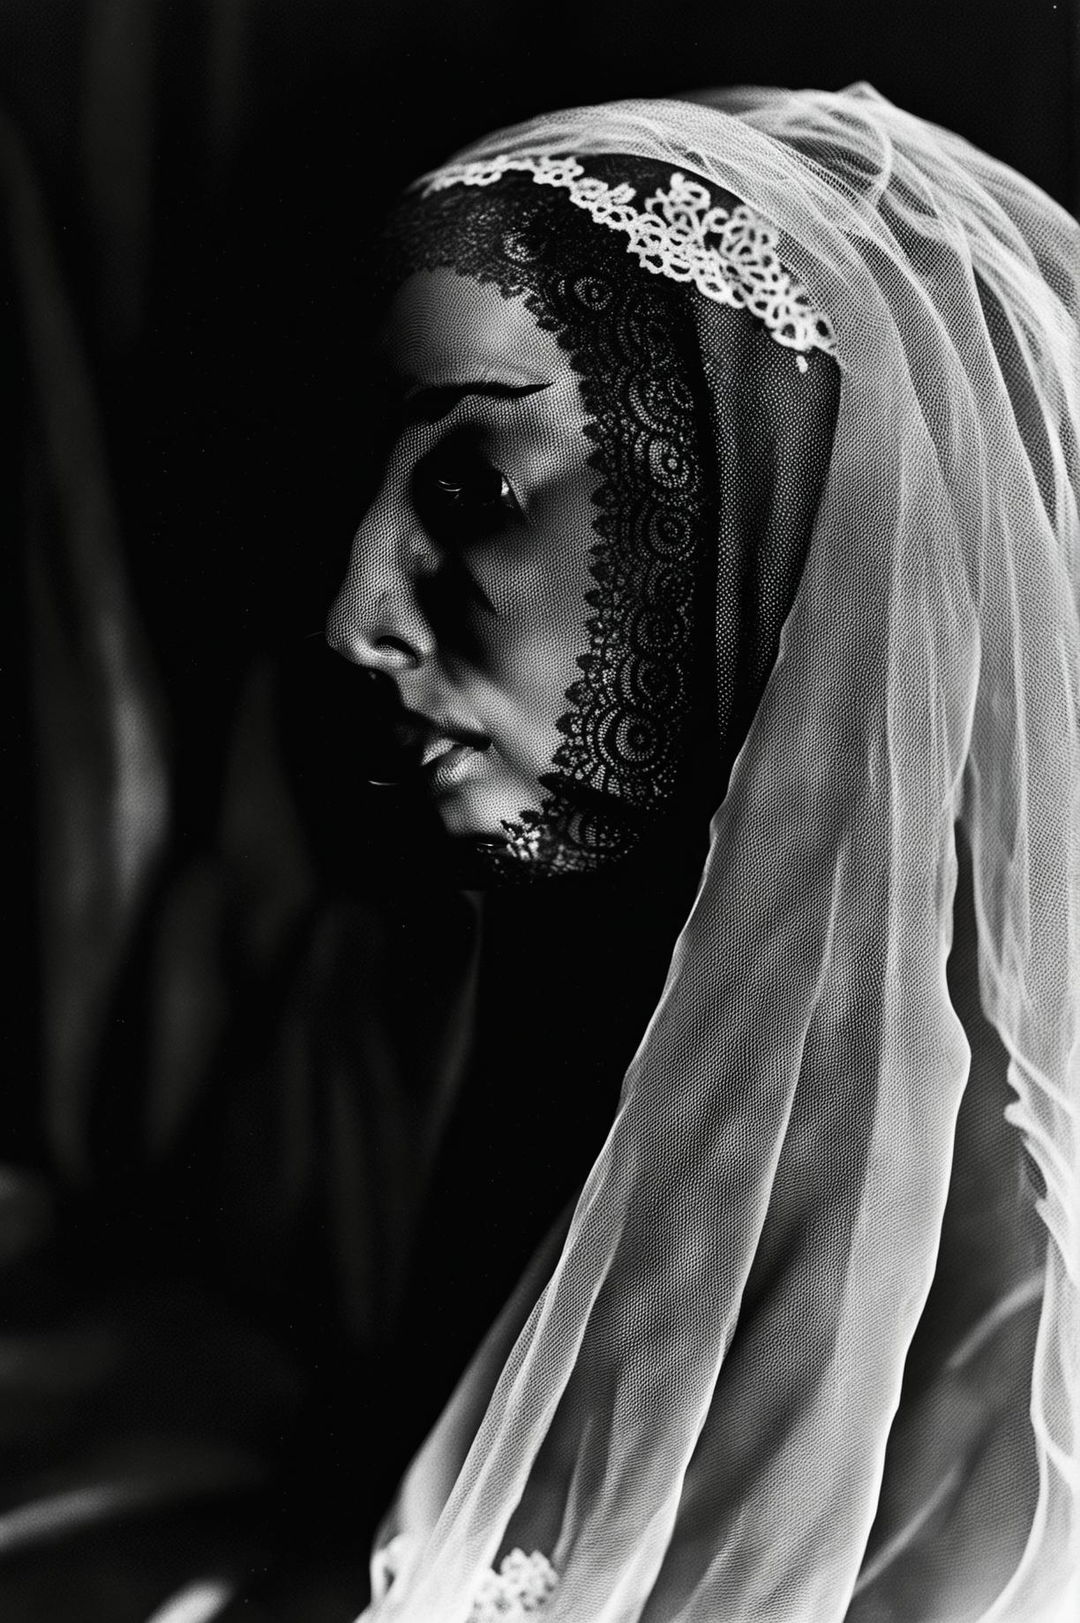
(685, 1407)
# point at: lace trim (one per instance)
(632, 342)
(729, 254)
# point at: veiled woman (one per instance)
(726, 551)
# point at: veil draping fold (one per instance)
(679, 1447)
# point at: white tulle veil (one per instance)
(790, 1113)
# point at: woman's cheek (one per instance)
(531, 645)
(519, 706)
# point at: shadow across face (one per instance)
(590, 527)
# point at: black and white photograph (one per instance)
(541, 750)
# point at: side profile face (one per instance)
(584, 543)
(467, 581)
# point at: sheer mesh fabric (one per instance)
(666, 413)
(686, 1406)
(625, 731)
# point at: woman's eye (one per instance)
(483, 489)
(463, 499)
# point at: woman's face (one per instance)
(467, 582)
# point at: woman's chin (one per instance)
(476, 810)
(479, 828)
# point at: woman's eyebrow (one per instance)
(429, 404)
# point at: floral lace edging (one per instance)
(517, 1593)
(520, 1590)
(728, 254)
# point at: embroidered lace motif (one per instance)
(520, 1590)
(729, 255)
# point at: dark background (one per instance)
(190, 191)
(204, 178)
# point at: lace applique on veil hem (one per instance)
(517, 1592)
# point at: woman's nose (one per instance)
(375, 619)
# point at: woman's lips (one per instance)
(440, 750)
(447, 761)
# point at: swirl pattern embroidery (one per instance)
(624, 733)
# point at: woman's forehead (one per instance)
(444, 328)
